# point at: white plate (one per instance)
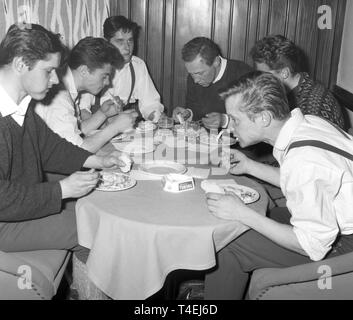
(221, 142)
(248, 195)
(129, 183)
(161, 168)
(135, 147)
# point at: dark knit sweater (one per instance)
(203, 100)
(314, 99)
(25, 153)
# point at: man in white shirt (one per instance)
(132, 84)
(36, 214)
(90, 68)
(315, 175)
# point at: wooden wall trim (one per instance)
(235, 25)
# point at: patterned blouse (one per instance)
(313, 98)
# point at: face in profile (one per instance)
(246, 130)
(124, 41)
(201, 72)
(38, 80)
(265, 68)
(95, 81)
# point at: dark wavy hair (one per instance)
(202, 46)
(260, 91)
(32, 42)
(94, 53)
(277, 52)
(116, 23)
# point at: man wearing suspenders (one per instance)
(132, 86)
(315, 175)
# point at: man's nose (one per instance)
(54, 79)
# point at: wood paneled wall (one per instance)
(235, 25)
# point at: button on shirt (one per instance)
(9, 108)
(318, 184)
(144, 89)
(61, 114)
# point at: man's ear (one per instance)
(83, 71)
(265, 118)
(217, 62)
(19, 65)
(285, 73)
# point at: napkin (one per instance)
(198, 173)
(215, 186)
(222, 171)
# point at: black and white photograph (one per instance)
(158, 151)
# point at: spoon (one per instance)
(219, 135)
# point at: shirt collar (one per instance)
(285, 135)
(9, 108)
(222, 69)
(70, 85)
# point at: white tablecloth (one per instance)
(139, 235)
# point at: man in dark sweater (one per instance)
(34, 214)
(209, 74)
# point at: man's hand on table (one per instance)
(111, 108)
(226, 206)
(111, 160)
(239, 163)
(124, 121)
(183, 113)
(78, 184)
(215, 120)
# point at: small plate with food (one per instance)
(146, 126)
(246, 194)
(114, 181)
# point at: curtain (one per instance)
(73, 19)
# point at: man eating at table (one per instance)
(280, 56)
(316, 179)
(90, 66)
(34, 214)
(208, 73)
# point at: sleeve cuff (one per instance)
(226, 121)
(315, 253)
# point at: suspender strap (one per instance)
(321, 145)
(133, 79)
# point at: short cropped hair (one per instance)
(94, 53)
(202, 46)
(260, 91)
(32, 42)
(277, 52)
(119, 23)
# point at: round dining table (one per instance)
(138, 236)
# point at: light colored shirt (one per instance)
(144, 90)
(8, 107)
(222, 69)
(318, 184)
(61, 114)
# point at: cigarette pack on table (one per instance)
(177, 183)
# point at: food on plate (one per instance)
(145, 126)
(113, 179)
(183, 130)
(245, 195)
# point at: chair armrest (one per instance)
(270, 277)
(10, 264)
